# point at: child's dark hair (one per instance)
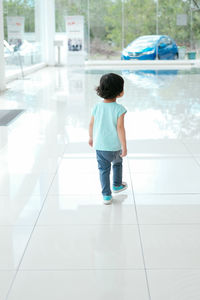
(111, 85)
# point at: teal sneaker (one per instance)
(107, 199)
(122, 187)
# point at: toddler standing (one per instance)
(107, 134)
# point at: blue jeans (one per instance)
(104, 159)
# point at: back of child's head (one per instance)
(111, 85)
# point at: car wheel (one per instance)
(176, 56)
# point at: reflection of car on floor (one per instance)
(150, 47)
(150, 78)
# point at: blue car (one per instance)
(150, 47)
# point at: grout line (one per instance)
(84, 269)
(192, 154)
(102, 269)
(138, 194)
(170, 224)
(140, 237)
(105, 269)
(34, 226)
(113, 224)
(167, 194)
(102, 224)
(159, 156)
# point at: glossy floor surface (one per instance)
(58, 240)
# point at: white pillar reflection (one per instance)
(2, 60)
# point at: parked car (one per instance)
(150, 47)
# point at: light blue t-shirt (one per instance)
(105, 137)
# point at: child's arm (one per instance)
(91, 131)
(122, 134)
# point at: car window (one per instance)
(163, 41)
(144, 42)
(166, 41)
(169, 41)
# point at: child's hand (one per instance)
(124, 152)
(91, 142)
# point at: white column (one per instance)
(157, 16)
(45, 28)
(123, 23)
(2, 60)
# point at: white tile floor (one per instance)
(57, 239)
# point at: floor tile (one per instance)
(76, 285)
(168, 209)
(5, 282)
(83, 209)
(13, 241)
(157, 147)
(174, 284)
(177, 182)
(79, 183)
(171, 246)
(193, 147)
(19, 210)
(75, 183)
(197, 158)
(84, 246)
(82, 164)
(36, 184)
(28, 161)
(164, 166)
(78, 148)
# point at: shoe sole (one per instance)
(120, 190)
(107, 202)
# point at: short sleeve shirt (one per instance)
(105, 136)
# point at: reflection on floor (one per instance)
(58, 241)
(8, 115)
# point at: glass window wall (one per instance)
(64, 8)
(21, 44)
(110, 25)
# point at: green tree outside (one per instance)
(117, 22)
